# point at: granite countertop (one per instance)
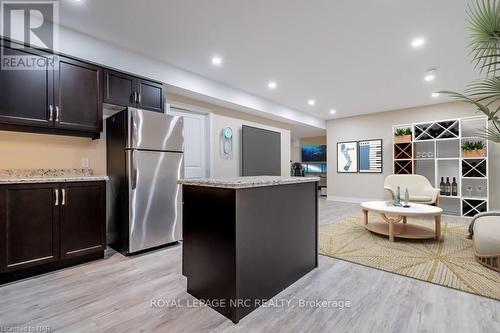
(22, 176)
(247, 182)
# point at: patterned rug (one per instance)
(449, 262)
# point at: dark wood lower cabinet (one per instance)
(29, 225)
(82, 219)
(44, 227)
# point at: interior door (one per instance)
(155, 198)
(196, 144)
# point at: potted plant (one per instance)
(402, 135)
(484, 46)
(473, 149)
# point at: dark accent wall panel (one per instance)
(261, 152)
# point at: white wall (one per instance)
(231, 166)
(379, 126)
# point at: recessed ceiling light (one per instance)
(272, 85)
(417, 42)
(430, 75)
(332, 111)
(435, 94)
(217, 61)
(311, 102)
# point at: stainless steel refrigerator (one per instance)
(144, 162)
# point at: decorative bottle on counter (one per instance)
(441, 187)
(454, 187)
(447, 187)
(407, 198)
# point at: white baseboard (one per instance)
(350, 199)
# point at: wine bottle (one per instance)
(454, 189)
(447, 187)
(441, 187)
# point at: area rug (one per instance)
(449, 262)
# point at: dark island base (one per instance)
(244, 246)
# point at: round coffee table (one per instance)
(394, 215)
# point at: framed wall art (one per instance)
(347, 157)
(370, 156)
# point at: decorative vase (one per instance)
(397, 200)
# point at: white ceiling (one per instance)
(353, 56)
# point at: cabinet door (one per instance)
(25, 94)
(151, 95)
(29, 225)
(82, 218)
(78, 95)
(119, 89)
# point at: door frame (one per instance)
(197, 111)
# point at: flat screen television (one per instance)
(314, 153)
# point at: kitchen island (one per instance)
(246, 239)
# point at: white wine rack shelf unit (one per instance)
(434, 150)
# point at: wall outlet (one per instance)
(85, 162)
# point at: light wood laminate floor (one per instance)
(114, 295)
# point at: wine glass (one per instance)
(479, 190)
(470, 188)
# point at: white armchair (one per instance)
(485, 231)
(419, 188)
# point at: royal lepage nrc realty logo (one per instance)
(32, 23)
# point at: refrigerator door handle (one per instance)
(131, 125)
(133, 163)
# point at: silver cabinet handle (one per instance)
(57, 114)
(51, 113)
(138, 98)
(63, 201)
(56, 192)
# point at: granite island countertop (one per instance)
(27, 176)
(247, 182)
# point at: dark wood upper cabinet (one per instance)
(26, 95)
(29, 226)
(119, 88)
(151, 95)
(127, 90)
(82, 218)
(78, 96)
(63, 95)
